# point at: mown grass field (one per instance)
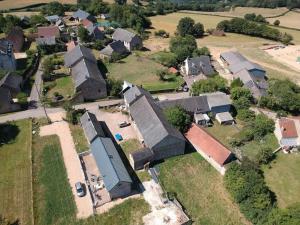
(283, 178)
(8, 4)
(15, 173)
(53, 199)
(199, 187)
(141, 70)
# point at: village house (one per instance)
(110, 166)
(52, 19)
(94, 32)
(16, 37)
(80, 15)
(209, 148)
(47, 35)
(7, 58)
(287, 132)
(6, 102)
(11, 82)
(116, 47)
(251, 74)
(130, 40)
(89, 82)
(198, 65)
(152, 127)
(91, 127)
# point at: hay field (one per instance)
(291, 19)
(8, 4)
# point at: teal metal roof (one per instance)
(109, 162)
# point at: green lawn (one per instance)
(141, 70)
(81, 144)
(15, 175)
(283, 178)
(62, 85)
(53, 199)
(200, 189)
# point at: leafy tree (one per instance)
(261, 126)
(239, 92)
(185, 26)
(48, 67)
(166, 58)
(160, 8)
(183, 47)
(114, 87)
(276, 22)
(264, 155)
(37, 19)
(242, 103)
(201, 51)
(178, 117)
(83, 34)
(97, 7)
(246, 115)
(286, 38)
(213, 84)
(198, 30)
(290, 216)
(54, 8)
(236, 83)
(250, 16)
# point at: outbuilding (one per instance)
(140, 158)
(224, 118)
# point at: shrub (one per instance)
(178, 117)
(161, 33)
(213, 84)
(276, 22)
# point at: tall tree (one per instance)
(185, 26)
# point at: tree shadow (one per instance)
(103, 69)
(8, 133)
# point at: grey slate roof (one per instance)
(109, 163)
(94, 30)
(85, 70)
(258, 87)
(203, 63)
(134, 92)
(193, 104)
(235, 68)
(5, 97)
(11, 81)
(151, 122)
(52, 18)
(123, 35)
(217, 99)
(116, 46)
(80, 14)
(77, 53)
(91, 126)
(46, 41)
(233, 57)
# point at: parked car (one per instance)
(123, 124)
(79, 189)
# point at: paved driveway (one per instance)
(72, 162)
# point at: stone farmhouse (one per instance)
(89, 82)
(130, 40)
(251, 74)
(198, 65)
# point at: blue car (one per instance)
(119, 137)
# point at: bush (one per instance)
(246, 185)
(201, 51)
(165, 58)
(245, 115)
(276, 22)
(161, 33)
(264, 155)
(114, 87)
(183, 47)
(213, 84)
(178, 117)
(236, 83)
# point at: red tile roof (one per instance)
(200, 139)
(173, 70)
(44, 32)
(288, 128)
(86, 22)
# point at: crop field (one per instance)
(199, 187)
(8, 4)
(283, 178)
(15, 172)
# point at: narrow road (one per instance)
(39, 112)
(36, 89)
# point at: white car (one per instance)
(79, 189)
